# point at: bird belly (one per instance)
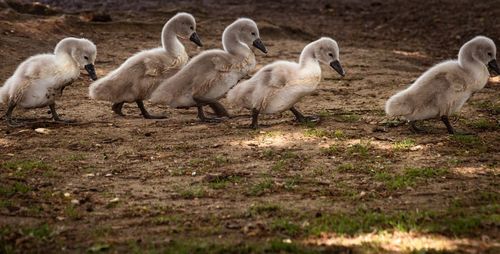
(284, 99)
(218, 90)
(39, 95)
(459, 102)
(182, 101)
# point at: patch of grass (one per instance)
(101, 231)
(410, 177)
(350, 118)
(451, 222)
(4, 203)
(330, 150)
(184, 147)
(72, 212)
(285, 226)
(346, 190)
(193, 192)
(314, 132)
(273, 246)
(320, 133)
(267, 209)
(279, 165)
(291, 183)
(271, 134)
(25, 167)
(404, 144)
(220, 160)
(324, 113)
(77, 157)
(215, 161)
(8, 190)
(260, 188)
(286, 160)
(345, 167)
(221, 182)
(166, 219)
(269, 153)
(484, 124)
(339, 134)
(493, 108)
(41, 232)
(99, 248)
(469, 140)
(361, 149)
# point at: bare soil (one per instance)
(356, 182)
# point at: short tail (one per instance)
(4, 94)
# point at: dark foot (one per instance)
(459, 132)
(204, 119)
(145, 113)
(201, 114)
(446, 122)
(219, 110)
(415, 129)
(303, 119)
(65, 121)
(117, 108)
(311, 119)
(13, 123)
(211, 120)
(56, 117)
(255, 119)
(154, 116)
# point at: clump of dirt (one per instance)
(35, 8)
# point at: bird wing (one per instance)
(217, 67)
(21, 89)
(457, 83)
(158, 66)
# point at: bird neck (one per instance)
(307, 58)
(169, 40)
(64, 56)
(466, 60)
(232, 43)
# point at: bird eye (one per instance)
(86, 57)
(330, 54)
(253, 33)
(191, 27)
(489, 54)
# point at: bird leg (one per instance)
(117, 108)
(218, 109)
(446, 122)
(145, 113)
(301, 118)
(414, 128)
(201, 115)
(8, 114)
(56, 117)
(255, 119)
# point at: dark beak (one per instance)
(258, 44)
(494, 66)
(194, 38)
(90, 69)
(336, 66)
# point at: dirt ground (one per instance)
(357, 182)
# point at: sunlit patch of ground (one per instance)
(403, 241)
